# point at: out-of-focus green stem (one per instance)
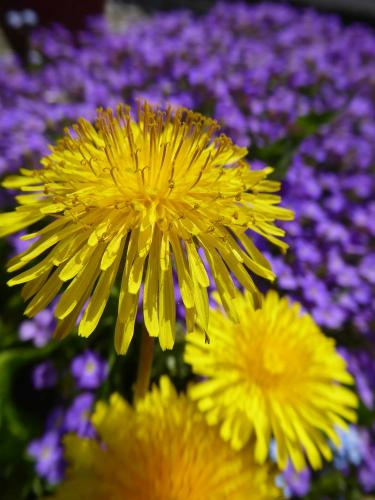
(144, 365)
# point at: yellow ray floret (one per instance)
(272, 375)
(161, 450)
(138, 197)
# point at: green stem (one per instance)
(144, 365)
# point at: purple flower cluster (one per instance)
(357, 450)
(291, 482)
(294, 484)
(48, 455)
(351, 450)
(361, 364)
(330, 185)
(367, 468)
(89, 371)
(257, 69)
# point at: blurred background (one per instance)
(293, 81)
(19, 17)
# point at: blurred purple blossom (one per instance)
(291, 482)
(19, 245)
(77, 416)
(44, 375)
(89, 370)
(351, 450)
(367, 469)
(48, 454)
(361, 365)
(38, 329)
(294, 484)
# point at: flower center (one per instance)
(90, 367)
(275, 365)
(46, 452)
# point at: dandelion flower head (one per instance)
(163, 450)
(140, 197)
(272, 375)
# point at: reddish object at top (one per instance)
(17, 26)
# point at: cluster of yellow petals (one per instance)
(162, 449)
(272, 375)
(138, 197)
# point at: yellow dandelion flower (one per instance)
(161, 450)
(141, 197)
(272, 375)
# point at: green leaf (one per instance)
(16, 424)
(280, 153)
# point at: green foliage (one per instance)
(280, 153)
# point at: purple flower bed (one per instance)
(298, 88)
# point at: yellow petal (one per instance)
(85, 278)
(184, 280)
(99, 298)
(34, 272)
(124, 329)
(151, 289)
(136, 274)
(196, 265)
(76, 263)
(167, 310)
(12, 222)
(45, 295)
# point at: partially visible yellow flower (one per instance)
(139, 198)
(161, 450)
(272, 375)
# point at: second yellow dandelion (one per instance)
(272, 375)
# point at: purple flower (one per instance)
(48, 454)
(77, 417)
(44, 375)
(315, 290)
(367, 268)
(335, 262)
(296, 484)
(329, 315)
(89, 370)
(307, 252)
(313, 211)
(55, 419)
(39, 329)
(361, 365)
(286, 279)
(367, 469)
(351, 449)
(292, 483)
(19, 245)
(348, 277)
(332, 231)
